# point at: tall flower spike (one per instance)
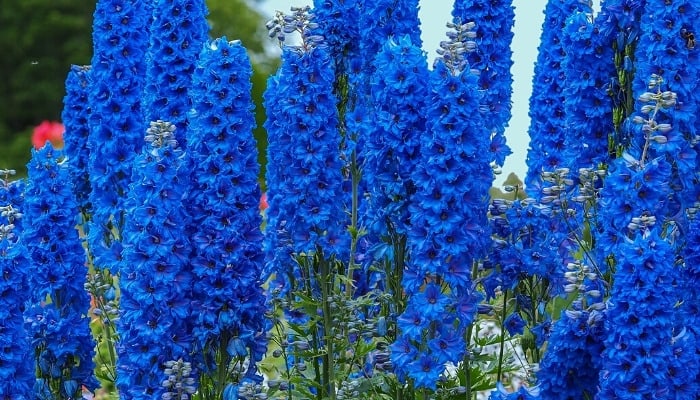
(391, 149)
(75, 116)
(493, 59)
(666, 48)
(156, 281)
(304, 175)
(448, 211)
(589, 68)
(228, 258)
(16, 367)
(57, 320)
(120, 37)
(179, 29)
(547, 117)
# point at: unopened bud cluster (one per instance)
(299, 21)
(161, 134)
(179, 385)
(453, 52)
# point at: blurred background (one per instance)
(41, 39)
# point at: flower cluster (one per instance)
(304, 174)
(16, 369)
(178, 31)
(399, 95)
(547, 115)
(156, 282)
(76, 113)
(493, 59)
(120, 38)
(57, 320)
(589, 66)
(223, 206)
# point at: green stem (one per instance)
(503, 335)
(328, 365)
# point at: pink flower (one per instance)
(48, 131)
(263, 202)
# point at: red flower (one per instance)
(48, 131)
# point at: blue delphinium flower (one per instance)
(16, 367)
(399, 94)
(638, 360)
(451, 177)
(492, 57)
(120, 38)
(570, 366)
(223, 202)
(75, 116)
(156, 279)
(666, 48)
(178, 31)
(547, 115)
(57, 321)
(589, 68)
(523, 393)
(306, 211)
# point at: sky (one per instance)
(528, 26)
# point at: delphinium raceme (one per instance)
(623, 18)
(118, 70)
(75, 116)
(391, 149)
(56, 319)
(571, 363)
(447, 212)
(492, 57)
(641, 358)
(155, 275)
(666, 47)
(547, 115)
(230, 322)
(589, 68)
(16, 367)
(306, 223)
(178, 30)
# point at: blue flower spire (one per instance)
(156, 279)
(120, 39)
(451, 177)
(547, 115)
(228, 258)
(400, 91)
(493, 59)
(589, 67)
(75, 116)
(179, 29)
(57, 320)
(666, 48)
(16, 369)
(643, 310)
(306, 212)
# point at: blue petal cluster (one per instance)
(306, 211)
(224, 198)
(570, 367)
(75, 117)
(666, 48)
(16, 367)
(400, 92)
(120, 38)
(178, 31)
(57, 321)
(639, 360)
(493, 59)
(589, 69)
(547, 114)
(156, 280)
